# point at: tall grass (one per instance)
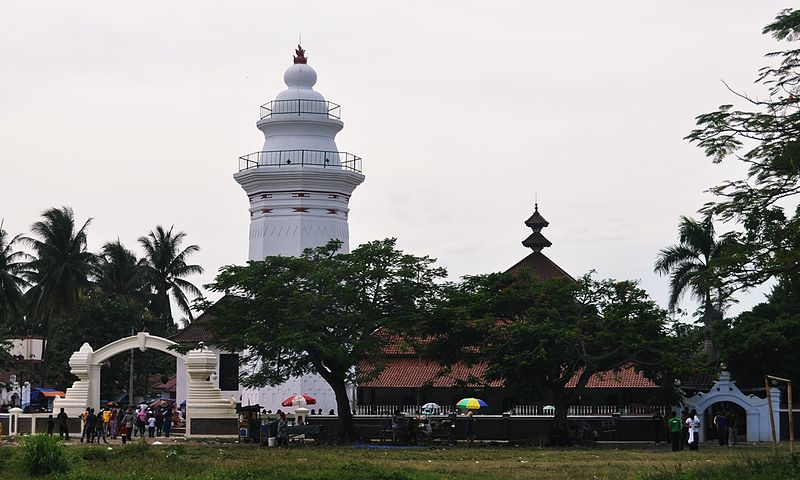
(43, 455)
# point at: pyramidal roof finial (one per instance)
(300, 55)
(536, 241)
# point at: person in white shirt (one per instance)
(693, 422)
(151, 426)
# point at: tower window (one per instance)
(266, 210)
(333, 196)
(300, 195)
(332, 211)
(266, 195)
(301, 210)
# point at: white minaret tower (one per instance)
(299, 184)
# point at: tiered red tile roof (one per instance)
(413, 372)
(541, 267)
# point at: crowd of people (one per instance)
(115, 422)
(684, 431)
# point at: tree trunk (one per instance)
(45, 344)
(343, 410)
(709, 315)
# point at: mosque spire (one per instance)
(536, 241)
(300, 55)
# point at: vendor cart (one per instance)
(249, 423)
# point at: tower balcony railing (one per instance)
(302, 158)
(300, 107)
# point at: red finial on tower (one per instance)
(300, 55)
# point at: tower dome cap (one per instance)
(300, 74)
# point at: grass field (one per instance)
(240, 462)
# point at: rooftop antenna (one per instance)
(300, 38)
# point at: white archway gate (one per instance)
(207, 412)
(757, 408)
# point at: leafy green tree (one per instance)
(13, 268)
(59, 273)
(688, 263)
(167, 265)
(764, 339)
(322, 312)
(544, 336)
(765, 136)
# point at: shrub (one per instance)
(43, 455)
(136, 449)
(5, 455)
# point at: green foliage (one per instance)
(12, 277)
(688, 263)
(321, 312)
(765, 136)
(139, 448)
(96, 454)
(6, 455)
(59, 273)
(764, 340)
(771, 468)
(539, 335)
(44, 455)
(165, 266)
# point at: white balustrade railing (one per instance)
(589, 410)
(524, 410)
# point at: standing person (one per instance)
(694, 429)
(91, 425)
(151, 426)
(101, 429)
(178, 415)
(470, 429)
(63, 424)
(114, 423)
(51, 424)
(732, 427)
(167, 421)
(84, 416)
(721, 424)
(141, 419)
(106, 420)
(658, 426)
(675, 431)
(282, 434)
(127, 425)
(159, 414)
(684, 428)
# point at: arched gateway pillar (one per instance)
(207, 412)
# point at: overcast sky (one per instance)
(134, 114)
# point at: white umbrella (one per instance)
(430, 407)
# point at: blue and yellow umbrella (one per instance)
(471, 404)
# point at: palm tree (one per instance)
(60, 272)
(166, 267)
(688, 265)
(118, 273)
(13, 269)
